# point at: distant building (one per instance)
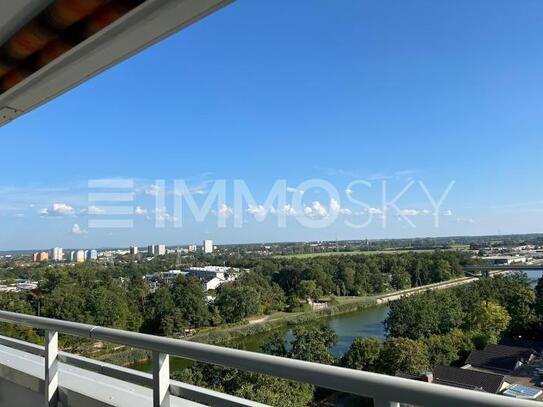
(80, 256)
(506, 260)
(193, 248)
(208, 246)
(150, 250)
(213, 276)
(133, 250)
(92, 255)
(160, 250)
(42, 257)
(72, 255)
(58, 254)
(166, 276)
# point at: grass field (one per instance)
(390, 251)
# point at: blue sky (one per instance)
(382, 91)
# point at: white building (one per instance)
(133, 250)
(214, 283)
(213, 276)
(160, 250)
(92, 255)
(166, 275)
(193, 248)
(208, 246)
(507, 260)
(58, 254)
(80, 256)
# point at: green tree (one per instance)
(261, 388)
(308, 289)
(442, 349)
(313, 343)
(490, 319)
(236, 303)
(163, 315)
(404, 355)
(275, 346)
(363, 354)
(190, 300)
(401, 279)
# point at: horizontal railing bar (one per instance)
(178, 389)
(357, 382)
(66, 327)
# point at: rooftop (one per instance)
(488, 382)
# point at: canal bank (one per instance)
(354, 317)
(364, 319)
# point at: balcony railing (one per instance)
(384, 390)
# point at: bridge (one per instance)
(486, 270)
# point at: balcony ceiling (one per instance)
(15, 13)
(47, 47)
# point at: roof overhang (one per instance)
(148, 23)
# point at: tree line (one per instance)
(118, 296)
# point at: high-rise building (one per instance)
(72, 255)
(58, 254)
(208, 246)
(80, 256)
(160, 249)
(40, 256)
(92, 254)
(150, 250)
(134, 250)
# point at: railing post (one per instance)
(161, 379)
(51, 369)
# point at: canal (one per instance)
(365, 322)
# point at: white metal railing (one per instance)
(385, 390)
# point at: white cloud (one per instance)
(349, 191)
(224, 211)
(58, 209)
(76, 230)
(409, 212)
(258, 211)
(162, 215)
(153, 190)
(295, 190)
(287, 210)
(198, 191)
(316, 210)
(375, 211)
(335, 206)
(140, 211)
